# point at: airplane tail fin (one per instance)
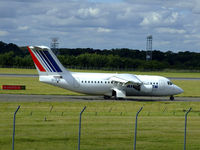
(45, 61)
(49, 68)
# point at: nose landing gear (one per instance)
(171, 98)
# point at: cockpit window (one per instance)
(169, 83)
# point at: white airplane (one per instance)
(109, 85)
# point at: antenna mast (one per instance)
(149, 48)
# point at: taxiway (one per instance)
(62, 98)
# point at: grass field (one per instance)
(17, 71)
(107, 125)
(33, 86)
(165, 74)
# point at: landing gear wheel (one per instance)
(114, 94)
(106, 97)
(118, 98)
(171, 98)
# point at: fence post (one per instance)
(13, 138)
(136, 127)
(186, 127)
(79, 133)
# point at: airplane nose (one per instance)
(178, 90)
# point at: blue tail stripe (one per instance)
(46, 59)
(52, 61)
(43, 60)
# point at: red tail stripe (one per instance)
(38, 64)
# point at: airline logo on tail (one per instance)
(43, 59)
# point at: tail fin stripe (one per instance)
(43, 60)
(53, 61)
(37, 63)
(47, 60)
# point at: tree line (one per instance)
(13, 56)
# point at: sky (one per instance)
(102, 24)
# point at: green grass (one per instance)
(107, 125)
(191, 87)
(33, 86)
(165, 74)
(17, 71)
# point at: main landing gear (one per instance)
(106, 97)
(171, 98)
(109, 97)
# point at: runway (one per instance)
(63, 98)
(36, 75)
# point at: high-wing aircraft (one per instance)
(109, 85)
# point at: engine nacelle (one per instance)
(146, 88)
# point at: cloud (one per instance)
(23, 28)
(170, 30)
(101, 24)
(103, 30)
(153, 18)
(161, 18)
(3, 33)
(88, 12)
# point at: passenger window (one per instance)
(88, 81)
(105, 82)
(95, 82)
(101, 81)
(169, 83)
(91, 81)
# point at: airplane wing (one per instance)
(122, 80)
(125, 79)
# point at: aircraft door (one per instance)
(161, 84)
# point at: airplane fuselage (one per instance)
(98, 84)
